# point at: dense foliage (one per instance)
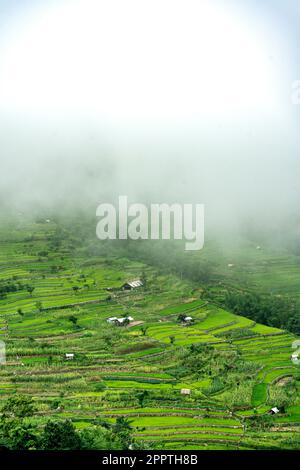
(19, 431)
(269, 310)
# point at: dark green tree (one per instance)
(60, 435)
(30, 289)
(18, 406)
(122, 432)
(73, 320)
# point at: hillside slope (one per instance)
(55, 302)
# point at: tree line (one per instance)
(278, 312)
(19, 431)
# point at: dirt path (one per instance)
(135, 323)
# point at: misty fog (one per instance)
(100, 101)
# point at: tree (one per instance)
(75, 289)
(181, 317)
(97, 438)
(172, 339)
(30, 289)
(16, 434)
(293, 324)
(141, 397)
(39, 305)
(60, 435)
(18, 406)
(144, 330)
(282, 396)
(126, 321)
(20, 312)
(144, 279)
(121, 432)
(73, 319)
(99, 387)
(43, 253)
(260, 422)
(270, 310)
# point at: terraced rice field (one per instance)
(138, 371)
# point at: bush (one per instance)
(60, 435)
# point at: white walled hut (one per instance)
(132, 284)
(119, 321)
(122, 320)
(112, 320)
(185, 391)
(188, 319)
(295, 357)
(69, 356)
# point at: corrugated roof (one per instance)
(120, 320)
(135, 283)
(275, 409)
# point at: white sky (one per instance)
(140, 60)
(102, 89)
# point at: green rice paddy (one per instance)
(139, 371)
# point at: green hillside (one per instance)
(55, 300)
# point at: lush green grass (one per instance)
(177, 421)
(275, 374)
(259, 394)
(265, 330)
(139, 371)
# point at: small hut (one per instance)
(132, 284)
(185, 391)
(295, 357)
(119, 321)
(69, 356)
(274, 411)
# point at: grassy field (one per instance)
(61, 305)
